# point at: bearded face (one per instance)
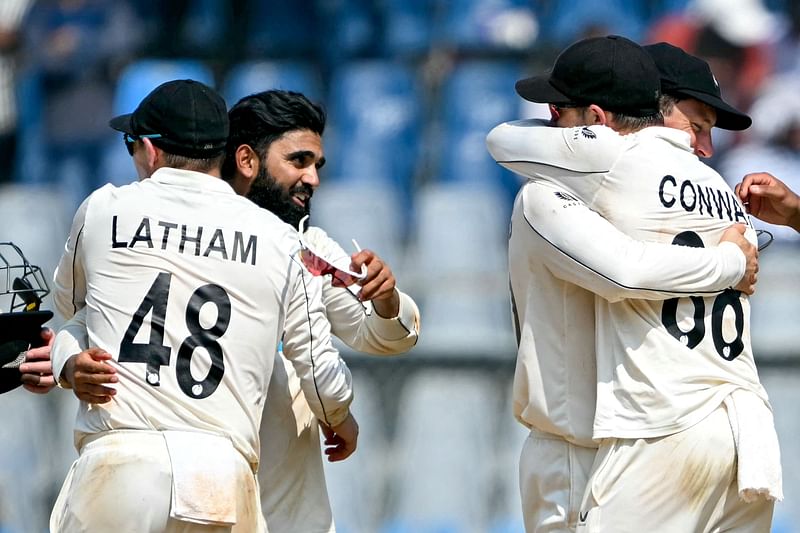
(267, 193)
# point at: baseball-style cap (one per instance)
(190, 118)
(683, 74)
(612, 72)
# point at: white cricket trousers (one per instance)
(553, 474)
(682, 483)
(122, 482)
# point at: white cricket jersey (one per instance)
(293, 492)
(191, 287)
(661, 365)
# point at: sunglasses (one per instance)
(130, 139)
(764, 237)
(319, 265)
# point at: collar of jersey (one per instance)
(679, 138)
(191, 179)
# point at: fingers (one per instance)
(37, 354)
(38, 367)
(91, 374)
(95, 394)
(379, 282)
(48, 336)
(339, 449)
(38, 384)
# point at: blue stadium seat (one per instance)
(349, 28)
(776, 302)
(204, 26)
(356, 487)
(144, 75)
(368, 213)
(478, 96)
(256, 76)
(459, 258)
(30, 167)
(375, 124)
(444, 464)
(408, 26)
(282, 29)
(570, 21)
(487, 25)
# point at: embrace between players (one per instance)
(635, 372)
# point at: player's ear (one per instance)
(595, 116)
(152, 152)
(247, 162)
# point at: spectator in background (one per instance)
(74, 45)
(11, 14)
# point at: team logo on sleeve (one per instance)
(565, 196)
(588, 134)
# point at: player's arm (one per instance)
(590, 252)
(386, 323)
(769, 199)
(324, 376)
(562, 156)
(69, 281)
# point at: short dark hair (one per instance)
(205, 164)
(628, 124)
(260, 119)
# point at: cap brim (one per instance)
(122, 123)
(728, 118)
(538, 89)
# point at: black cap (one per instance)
(612, 72)
(685, 75)
(190, 117)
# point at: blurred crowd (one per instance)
(411, 88)
(65, 67)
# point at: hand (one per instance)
(37, 370)
(87, 372)
(735, 234)
(341, 440)
(768, 198)
(378, 286)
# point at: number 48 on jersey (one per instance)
(155, 355)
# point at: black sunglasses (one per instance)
(130, 139)
(765, 238)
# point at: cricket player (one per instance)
(669, 386)
(179, 263)
(555, 381)
(286, 129)
(274, 153)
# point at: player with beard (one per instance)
(276, 136)
(273, 153)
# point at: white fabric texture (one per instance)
(757, 449)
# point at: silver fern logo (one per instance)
(589, 134)
(565, 196)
